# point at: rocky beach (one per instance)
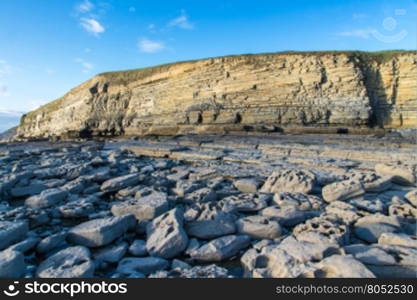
(256, 205)
(285, 165)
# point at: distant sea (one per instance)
(9, 119)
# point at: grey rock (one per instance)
(286, 215)
(323, 229)
(273, 262)
(344, 211)
(145, 208)
(247, 202)
(200, 196)
(371, 182)
(370, 255)
(12, 264)
(401, 174)
(111, 253)
(12, 232)
(259, 227)
(119, 183)
(211, 271)
(138, 248)
(299, 200)
(221, 248)
(184, 187)
(404, 212)
(412, 197)
(146, 265)
(247, 185)
(375, 205)
(338, 266)
(397, 239)
(51, 242)
(179, 264)
(26, 191)
(100, 232)
(210, 223)
(79, 208)
(343, 190)
(46, 199)
(370, 228)
(289, 181)
(25, 245)
(166, 237)
(72, 262)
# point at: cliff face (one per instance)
(349, 90)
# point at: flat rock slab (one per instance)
(46, 198)
(401, 174)
(259, 227)
(12, 264)
(338, 266)
(121, 182)
(343, 190)
(146, 265)
(166, 237)
(144, 208)
(100, 232)
(370, 228)
(289, 181)
(221, 248)
(12, 232)
(73, 262)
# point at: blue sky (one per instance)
(49, 46)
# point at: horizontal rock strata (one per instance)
(341, 90)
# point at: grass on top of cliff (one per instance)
(126, 76)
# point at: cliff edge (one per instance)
(245, 92)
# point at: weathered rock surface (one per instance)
(289, 181)
(12, 264)
(144, 208)
(343, 190)
(259, 227)
(221, 248)
(73, 262)
(100, 232)
(283, 234)
(12, 232)
(213, 95)
(166, 237)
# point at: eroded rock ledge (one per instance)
(239, 93)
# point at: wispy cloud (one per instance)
(364, 33)
(182, 22)
(87, 66)
(85, 7)
(149, 46)
(92, 26)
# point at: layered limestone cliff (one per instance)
(283, 90)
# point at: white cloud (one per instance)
(182, 22)
(149, 46)
(92, 26)
(87, 66)
(358, 33)
(85, 7)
